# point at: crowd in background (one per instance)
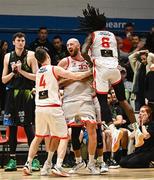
(136, 59)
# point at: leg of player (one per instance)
(27, 170)
(46, 170)
(107, 117)
(61, 151)
(120, 94)
(102, 165)
(91, 129)
(79, 164)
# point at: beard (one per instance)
(74, 53)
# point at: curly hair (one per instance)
(92, 20)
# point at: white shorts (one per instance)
(104, 77)
(79, 112)
(50, 121)
(97, 109)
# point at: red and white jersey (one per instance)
(47, 88)
(78, 90)
(104, 40)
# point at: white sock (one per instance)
(91, 159)
(59, 162)
(100, 159)
(49, 158)
(30, 160)
(78, 159)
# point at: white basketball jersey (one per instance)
(47, 89)
(104, 40)
(77, 90)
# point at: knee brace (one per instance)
(75, 138)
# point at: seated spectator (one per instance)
(42, 41)
(59, 50)
(143, 155)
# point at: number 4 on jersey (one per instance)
(42, 81)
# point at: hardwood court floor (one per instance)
(114, 174)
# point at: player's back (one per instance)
(47, 88)
(104, 48)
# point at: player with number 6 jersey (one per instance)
(104, 55)
(103, 45)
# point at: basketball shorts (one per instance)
(77, 113)
(50, 121)
(104, 77)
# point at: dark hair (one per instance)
(128, 24)
(148, 110)
(57, 37)
(42, 28)
(19, 35)
(92, 20)
(137, 35)
(2, 43)
(40, 55)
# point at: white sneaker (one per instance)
(92, 168)
(77, 167)
(27, 169)
(116, 137)
(46, 170)
(139, 138)
(104, 167)
(59, 171)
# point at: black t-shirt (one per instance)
(46, 45)
(149, 86)
(57, 56)
(148, 143)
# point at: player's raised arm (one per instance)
(86, 47)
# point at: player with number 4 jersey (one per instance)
(49, 116)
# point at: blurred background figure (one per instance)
(3, 50)
(127, 41)
(59, 50)
(42, 41)
(150, 40)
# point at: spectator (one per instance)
(42, 41)
(143, 155)
(59, 50)
(3, 51)
(149, 88)
(140, 62)
(150, 40)
(127, 41)
(137, 44)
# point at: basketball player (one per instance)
(104, 56)
(19, 103)
(49, 116)
(78, 106)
